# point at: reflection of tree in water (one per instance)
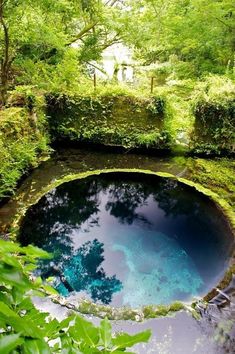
(49, 223)
(84, 272)
(125, 198)
(176, 199)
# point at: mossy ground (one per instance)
(218, 174)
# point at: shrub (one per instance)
(214, 111)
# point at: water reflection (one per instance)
(124, 199)
(83, 271)
(129, 239)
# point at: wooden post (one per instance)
(94, 81)
(152, 81)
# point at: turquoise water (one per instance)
(129, 239)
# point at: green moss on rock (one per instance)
(116, 120)
(23, 141)
(214, 128)
(126, 313)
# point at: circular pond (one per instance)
(129, 239)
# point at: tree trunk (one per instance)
(5, 60)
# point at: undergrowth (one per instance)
(23, 141)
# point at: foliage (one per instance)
(214, 88)
(57, 45)
(217, 174)
(26, 329)
(23, 140)
(118, 120)
(198, 34)
(214, 110)
(45, 42)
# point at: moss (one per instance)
(125, 313)
(23, 143)
(222, 284)
(176, 306)
(149, 311)
(217, 174)
(214, 111)
(111, 120)
(162, 310)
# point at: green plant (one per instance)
(121, 120)
(157, 105)
(214, 111)
(24, 329)
(23, 141)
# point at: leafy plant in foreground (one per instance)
(24, 329)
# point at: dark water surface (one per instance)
(129, 239)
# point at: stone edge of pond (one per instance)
(152, 311)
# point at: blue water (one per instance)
(129, 239)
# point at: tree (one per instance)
(36, 35)
(196, 31)
(5, 60)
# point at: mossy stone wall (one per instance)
(116, 120)
(23, 140)
(214, 128)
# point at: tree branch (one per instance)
(224, 23)
(91, 25)
(83, 32)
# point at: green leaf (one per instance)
(17, 295)
(85, 331)
(67, 346)
(26, 327)
(22, 324)
(51, 328)
(66, 342)
(65, 323)
(36, 252)
(36, 346)
(50, 290)
(6, 310)
(10, 275)
(105, 333)
(11, 260)
(124, 340)
(10, 342)
(9, 247)
(26, 304)
(37, 317)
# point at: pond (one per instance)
(129, 239)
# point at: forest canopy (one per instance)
(37, 36)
